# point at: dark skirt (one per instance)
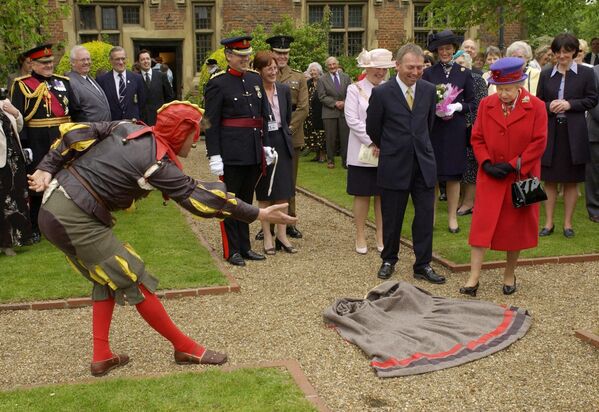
(469, 176)
(562, 170)
(361, 181)
(282, 187)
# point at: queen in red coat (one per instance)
(510, 124)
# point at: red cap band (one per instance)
(499, 78)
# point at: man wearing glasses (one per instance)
(44, 99)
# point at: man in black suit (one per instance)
(158, 89)
(123, 88)
(399, 120)
(592, 57)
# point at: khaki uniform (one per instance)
(299, 104)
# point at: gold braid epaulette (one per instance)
(39, 93)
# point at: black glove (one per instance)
(506, 167)
(494, 171)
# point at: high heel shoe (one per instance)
(361, 250)
(289, 249)
(469, 290)
(269, 251)
(509, 289)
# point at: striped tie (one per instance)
(122, 89)
(409, 97)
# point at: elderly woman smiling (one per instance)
(361, 174)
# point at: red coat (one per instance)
(496, 223)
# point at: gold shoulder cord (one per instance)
(41, 92)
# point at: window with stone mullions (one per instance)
(105, 21)
(203, 19)
(347, 21)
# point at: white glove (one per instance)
(454, 107)
(270, 154)
(217, 167)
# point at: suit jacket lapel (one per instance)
(399, 94)
(282, 105)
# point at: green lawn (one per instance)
(159, 234)
(266, 389)
(331, 184)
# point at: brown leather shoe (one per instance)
(209, 357)
(101, 368)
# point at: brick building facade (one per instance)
(184, 32)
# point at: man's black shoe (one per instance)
(260, 235)
(293, 232)
(386, 271)
(251, 255)
(427, 273)
(236, 259)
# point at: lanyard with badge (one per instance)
(272, 122)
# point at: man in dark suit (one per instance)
(88, 101)
(399, 120)
(593, 56)
(158, 89)
(592, 168)
(332, 89)
(123, 88)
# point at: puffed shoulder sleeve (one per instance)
(203, 199)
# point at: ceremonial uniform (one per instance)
(44, 103)
(298, 85)
(237, 109)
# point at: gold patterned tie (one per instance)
(409, 97)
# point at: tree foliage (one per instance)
(99, 53)
(21, 27)
(539, 18)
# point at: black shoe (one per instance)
(236, 259)
(289, 249)
(546, 232)
(386, 270)
(469, 290)
(260, 235)
(442, 197)
(293, 232)
(251, 255)
(569, 233)
(594, 219)
(456, 230)
(427, 273)
(509, 289)
(464, 212)
(36, 237)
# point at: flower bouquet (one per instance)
(446, 94)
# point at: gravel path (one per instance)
(278, 315)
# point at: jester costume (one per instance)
(102, 167)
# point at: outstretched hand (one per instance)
(275, 214)
(39, 180)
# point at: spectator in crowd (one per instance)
(592, 168)
(479, 61)
(24, 64)
(212, 66)
(332, 88)
(157, 88)
(15, 224)
(276, 187)
(523, 51)
(164, 68)
(567, 150)
(237, 141)
(583, 48)
(43, 98)
(592, 57)
(89, 102)
(542, 57)
(135, 68)
(399, 118)
(469, 178)
(123, 88)
(280, 46)
(361, 175)
(313, 127)
(470, 47)
(449, 133)
(104, 176)
(510, 132)
(428, 61)
(492, 54)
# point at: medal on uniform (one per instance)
(65, 101)
(258, 92)
(58, 85)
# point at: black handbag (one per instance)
(528, 191)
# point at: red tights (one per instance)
(152, 311)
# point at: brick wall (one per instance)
(246, 15)
(168, 15)
(390, 34)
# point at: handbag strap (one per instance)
(518, 165)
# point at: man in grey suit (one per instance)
(89, 103)
(332, 89)
(158, 88)
(399, 119)
(592, 167)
